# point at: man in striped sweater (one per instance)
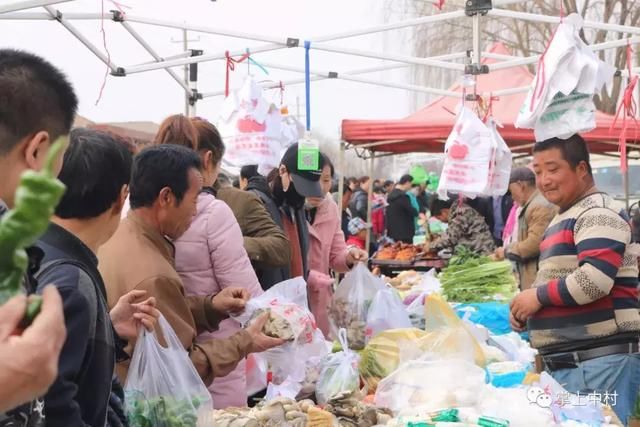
(582, 312)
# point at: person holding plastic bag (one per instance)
(290, 320)
(210, 255)
(163, 388)
(165, 185)
(327, 248)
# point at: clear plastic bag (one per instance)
(386, 312)
(351, 303)
(163, 387)
(339, 372)
(447, 336)
(288, 301)
(426, 386)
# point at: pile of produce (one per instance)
(405, 280)
(382, 355)
(350, 411)
(163, 411)
(473, 278)
(398, 251)
(276, 327)
(272, 413)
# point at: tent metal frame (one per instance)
(474, 9)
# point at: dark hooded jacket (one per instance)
(400, 217)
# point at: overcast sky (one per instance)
(154, 95)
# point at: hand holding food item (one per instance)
(36, 198)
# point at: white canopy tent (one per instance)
(475, 10)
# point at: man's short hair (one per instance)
(249, 171)
(96, 166)
(223, 180)
(160, 166)
(405, 178)
(35, 96)
(574, 150)
(364, 179)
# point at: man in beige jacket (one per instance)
(535, 215)
(165, 184)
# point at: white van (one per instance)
(609, 177)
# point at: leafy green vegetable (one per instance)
(162, 411)
(473, 278)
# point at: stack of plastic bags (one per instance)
(477, 160)
(560, 101)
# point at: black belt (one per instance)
(554, 362)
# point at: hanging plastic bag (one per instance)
(351, 303)
(339, 372)
(500, 168)
(386, 312)
(468, 154)
(427, 386)
(254, 130)
(257, 370)
(560, 101)
(163, 388)
(290, 319)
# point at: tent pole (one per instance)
(28, 4)
(533, 59)
(154, 54)
(394, 66)
(329, 74)
(73, 30)
(502, 13)
(626, 182)
(477, 59)
(369, 197)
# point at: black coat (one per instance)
(268, 276)
(400, 217)
(358, 204)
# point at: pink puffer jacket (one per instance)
(210, 256)
(327, 250)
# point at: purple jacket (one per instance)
(210, 256)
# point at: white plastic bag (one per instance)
(560, 101)
(288, 300)
(254, 130)
(339, 372)
(468, 155)
(162, 382)
(426, 386)
(386, 312)
(500, 168)
(351, 303)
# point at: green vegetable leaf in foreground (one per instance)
(36, 198)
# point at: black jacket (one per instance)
(400, 217)
(267, 276)
(358, 204)
(81, 394)
(485, 207)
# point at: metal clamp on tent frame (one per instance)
(473, 7)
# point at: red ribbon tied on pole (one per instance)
(231, 66)
(628, 105)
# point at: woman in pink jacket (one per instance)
(327, 248)
(210, 255)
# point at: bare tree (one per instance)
(524, 38)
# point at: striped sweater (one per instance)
(587, 280)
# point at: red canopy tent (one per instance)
(428, 129)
